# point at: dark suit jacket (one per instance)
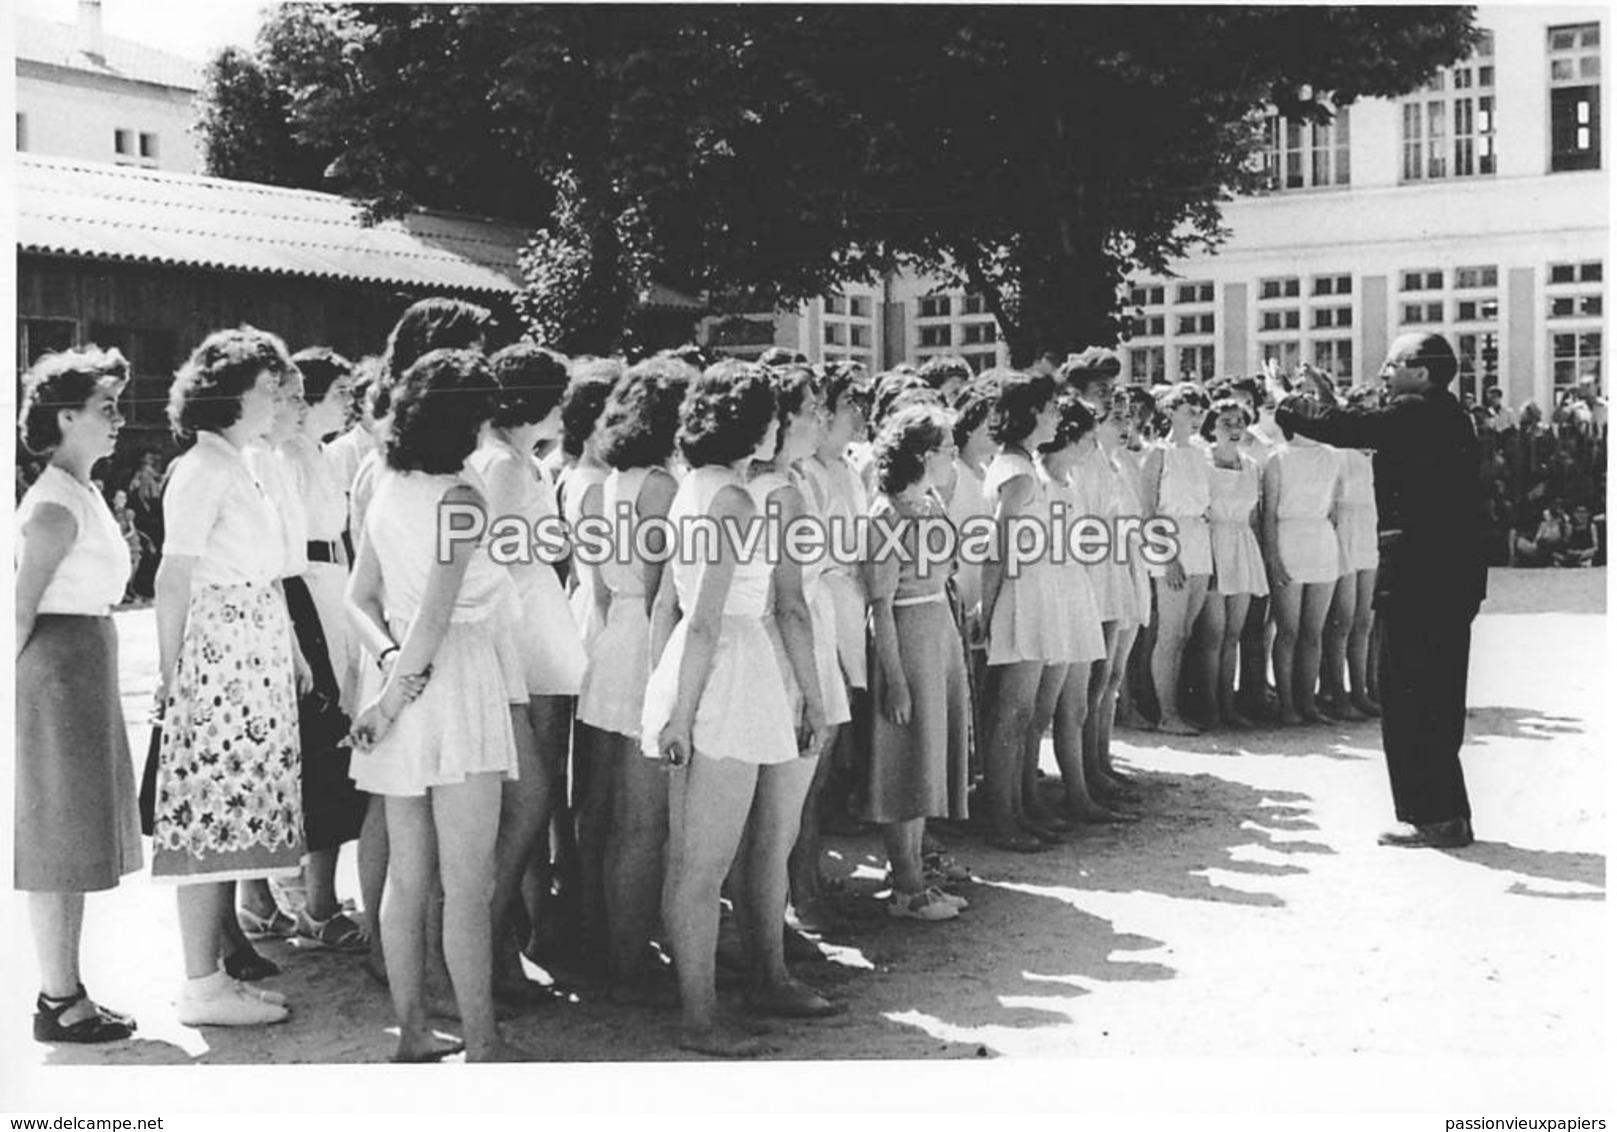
(1431, 515)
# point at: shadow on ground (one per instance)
(1520, 723)
(1555, 866)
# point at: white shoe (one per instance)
(218, 1000)
(928, 905)
(263, 994)
(960, 902)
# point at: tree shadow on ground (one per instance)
(1556, 866)
(1350, 742)
(1520, 723)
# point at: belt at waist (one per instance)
(331, 552)
(937, 597)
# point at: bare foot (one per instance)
(1291, 719)
(1237, 721)
(1172, 725)
(1369, 707)
(1093, 813)
(1348, 713)
(422, 1050)
(1311, 714)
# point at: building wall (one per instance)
(68, 113)
(157, 314)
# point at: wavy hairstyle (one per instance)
(726, 413)
(206, 393)
(321, 367)
(438, 410)
(1218, 408)
(531, 381)
(972, 406)
(591, 384)
(61, 382)
(641, 417)
(1075, 420)
(1018, 401)
(433, 324)
(910, 434)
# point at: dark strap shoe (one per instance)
(1452, 834)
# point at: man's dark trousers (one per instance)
(1424, 654)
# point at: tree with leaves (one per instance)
(765, 155)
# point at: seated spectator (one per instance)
(1582, 544)
(1548, 539)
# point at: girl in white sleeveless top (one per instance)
(716, 705)
(636, 439)
(76, 830)
(541, 640)
(1023, 609)
(1300, 484)
(1347, 627)
(1235, 483)
(440, 759)
(1176, 484)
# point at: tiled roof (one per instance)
(45, 41)
(88, 209)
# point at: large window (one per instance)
(1574, 357)
(1196, 363)
(1574, 52)
(1148, 365)
(1479, 362)
(1307, 155)
(1450, 124)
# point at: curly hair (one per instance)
(438, 410)
(433, 324)
(939, 371)
(1096, 363)
(779, 356)
(726, 413)
(367, 389)
(794, 385)
(904, 442)
(206, 393)
(972, 405)
(321, 367)
(845, 381)
(890, 386)
(1076, 420)
(1219, 407)
(531, 382)
(64, 381)
(591, 384)
(1019, 399)
(1181, 393)
(637, 427)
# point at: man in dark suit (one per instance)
(1432, 575)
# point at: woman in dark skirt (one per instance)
(922, 722)
(76, 824)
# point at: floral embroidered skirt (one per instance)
(228, 800)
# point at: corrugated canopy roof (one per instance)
(45, 41)
(81, 208)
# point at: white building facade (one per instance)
(84, 95)
(1476, 207)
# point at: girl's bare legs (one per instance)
(1116, 680)
(551, 719)
(525, 804)
(466, 819)
(634, 863)
(1177, 613)
(1316, 603)
(1235, 611)
(1010, 715)
(1034, 813)
(1209, 646)
(1080, 800)
(411, 873)
(372, 877)
(1287, 602)
(1334, 646)
(803, 867)
(708, 804)
(1358, 643)
(57, 919)
(770, 832)
(1255, 659)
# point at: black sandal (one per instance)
(102, 1026)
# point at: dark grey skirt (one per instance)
(77, 829)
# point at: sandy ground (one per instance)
(1250, 914)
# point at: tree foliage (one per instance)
(768, 154)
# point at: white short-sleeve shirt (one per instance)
(216, 510)
(92, 576)
(275, 471)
